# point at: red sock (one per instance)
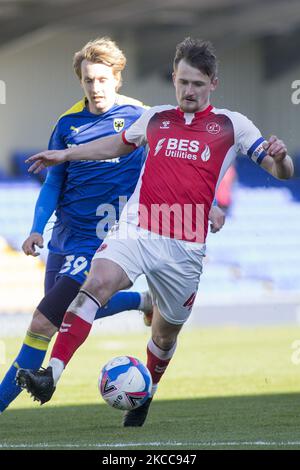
(158, 360)
(73, 332)
(75, 327)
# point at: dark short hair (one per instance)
(197, 53)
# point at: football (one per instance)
(125, 383)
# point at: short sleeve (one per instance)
(249, 140)
(137, 133)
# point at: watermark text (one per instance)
(295, 97)
(2, 92)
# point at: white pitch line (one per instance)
(153, 444)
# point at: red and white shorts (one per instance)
(172, 267)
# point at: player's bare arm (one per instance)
(277, 162)
(99, 149)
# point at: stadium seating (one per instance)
(21, 277)
(21, 281)
(258, 251)
(17, 202)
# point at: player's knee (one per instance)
(164, 341)
(98, 287)
(41, 325)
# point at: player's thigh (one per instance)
(175, 284)
(105, 278)
(174, 302)
(116, 265)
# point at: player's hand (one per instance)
(41, 160)
(34, 239)
(275, 148)
(217, 219)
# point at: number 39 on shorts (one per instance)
(74, 265)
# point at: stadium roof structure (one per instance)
(155, 26)
(228, 19)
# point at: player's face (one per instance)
(192, 87)
(99, 85)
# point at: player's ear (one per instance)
(118, 81)
(174, 77)
(214, 84)
(117, 85)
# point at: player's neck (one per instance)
(204, 107)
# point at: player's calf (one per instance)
(40, 325)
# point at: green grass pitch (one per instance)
(226, 388)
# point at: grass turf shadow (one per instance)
(226, 422)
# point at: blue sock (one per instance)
(34, 349)
(31, 356)
(120, 302)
